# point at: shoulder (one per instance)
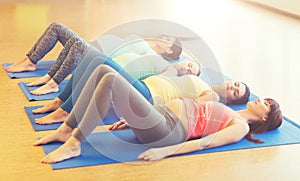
(239, 124)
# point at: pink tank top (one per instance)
(206, 117)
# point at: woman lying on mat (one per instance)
(75, 48)
(157, 88)
(136, 70)
(179, 126)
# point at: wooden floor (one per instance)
(251, 44)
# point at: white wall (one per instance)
(290, 6)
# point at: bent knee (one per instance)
(105, 69)
(74, 42)
(56, 25)
(109, 79)
(78, 43)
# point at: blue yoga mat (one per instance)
(106, 147)
(110, 118)
(26, 90)
(32, 117)
(42, 68)
(123, 146)
(112, 150)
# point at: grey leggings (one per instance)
(69, 57)
(154, 126)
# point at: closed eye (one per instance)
(237, 84)
(236, 93)
(266, 103)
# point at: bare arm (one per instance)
(234, 132)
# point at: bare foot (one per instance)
(61, 134)
(41, 81)
(59, 115)
(22, 66)
(69, 149)
(53, 105)
(50, 87)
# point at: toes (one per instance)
(35, 111)
(34, 92)
(46, 159)
(38, 143)
(39, 121)
(31, 84)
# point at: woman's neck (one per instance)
(220, 91)
(156, 49)
(247, 116)
(216, 88)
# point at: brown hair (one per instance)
(273, 121)
(176, 50)
(244, 98)
(199, 65)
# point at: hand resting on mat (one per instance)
(122, 124)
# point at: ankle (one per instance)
(58, 101)
(47, 76)
(73, 143)
(62, 112)
(64, 128)
(28, 61)
(52, 84)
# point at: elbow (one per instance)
(244, 130)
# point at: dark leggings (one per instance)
(69, 57)
(154, 126)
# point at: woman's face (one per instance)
(188, 67)
(164, 44)
(259, 107)
(233, 90)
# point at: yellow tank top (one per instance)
(164, 89)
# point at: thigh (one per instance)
(137, 84)
(130, 103)
(64, 34)
(148, 123)
(88, 57)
